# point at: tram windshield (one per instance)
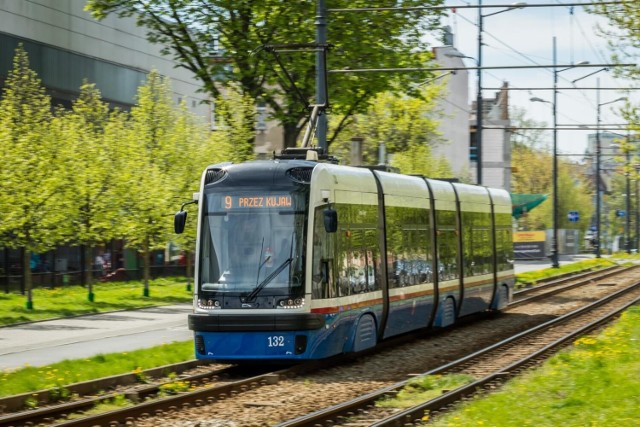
(252, 243)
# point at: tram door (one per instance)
(477, 249)
(410, 274)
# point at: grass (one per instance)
(73, 300)
(532, 277)
(424, 388)
(593, 384)
(60, 375)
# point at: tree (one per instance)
(92, 196)
(622, 34)
(406, 126)
(32, 213)
(235, 118)
(147, 172)
(533, 175)
(218, 40)
(165, 150)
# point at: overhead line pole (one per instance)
(321, 73)
(479, 101)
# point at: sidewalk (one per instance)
(42, 343)
(522, 266)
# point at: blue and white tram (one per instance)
(298, 259)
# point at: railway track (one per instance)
(552, 287)
(214, 395)
(490, 367)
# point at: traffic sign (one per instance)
(573, 216)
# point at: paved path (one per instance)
(42, 343)
(522, 266)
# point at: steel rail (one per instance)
(418, 412)
(336, 412)
(556, 287)
(141, 391)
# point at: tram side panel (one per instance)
(477, 248)
(408, 233)
(346, 276)
(505, 274)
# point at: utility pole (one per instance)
(321, 72)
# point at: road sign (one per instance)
(620, 213)
(573, 216)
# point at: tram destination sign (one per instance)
(255, 201)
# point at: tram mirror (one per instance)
(179, 221)
(330, 220)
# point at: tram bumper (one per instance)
(256, 322)
(236, 338)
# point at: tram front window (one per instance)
(251, 244)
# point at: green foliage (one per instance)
(31, 207)
(623, 37)
(174, 386)
(425, 388)
(419, 160)
(88, 175)
(30, 379)
(531, 277)
(189, 29)
(533, 174)
(72, 300)
(406, 126)
(594, 384)
(235, 118)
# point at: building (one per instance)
(454, 107)
(66, 45)
(458, 123)
(496, 139)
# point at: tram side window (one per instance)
(447, 245)
(408, 246)
(504, 241)
(477, 243)
(348, 261)
(357, 252)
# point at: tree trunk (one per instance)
(291, 133)
(189, 271)
(88, 270)
(146, 267)
(28, 279)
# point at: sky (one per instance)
(525, 36)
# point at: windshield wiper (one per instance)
(268, 279)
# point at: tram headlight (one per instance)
(288, 303)
(209, 303)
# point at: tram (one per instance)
(301, 259)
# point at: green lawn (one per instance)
(596, 383)
(536, 275)
(59, 375)
(73, 300)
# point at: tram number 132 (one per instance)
(275, 341)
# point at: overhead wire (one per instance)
(529, 59)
